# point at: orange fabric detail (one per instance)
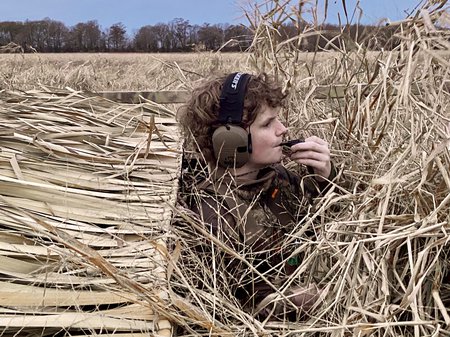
(274, 193)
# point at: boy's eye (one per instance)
(268, 122)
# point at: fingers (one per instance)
(313, 149)
(313, 152)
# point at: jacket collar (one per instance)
(264, 178)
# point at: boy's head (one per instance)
(198, 118)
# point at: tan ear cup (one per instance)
(230, 145)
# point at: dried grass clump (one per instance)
(11, 48)
(86, 187)
(382, 249)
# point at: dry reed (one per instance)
(382, 248)
(85, 187)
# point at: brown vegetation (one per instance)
(382, 249)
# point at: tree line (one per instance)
(177, 35)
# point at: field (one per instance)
(96, 72)
(92, 72)
(382, 249)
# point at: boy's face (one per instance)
(267, 134)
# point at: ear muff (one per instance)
(231, 142)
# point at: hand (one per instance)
(313, 152)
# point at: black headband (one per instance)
(232, 98)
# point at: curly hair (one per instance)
(198, 117)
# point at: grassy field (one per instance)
(132, 71)
(140, 72)
(91, 72)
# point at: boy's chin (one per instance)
(265, 163)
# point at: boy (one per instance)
(249, 200)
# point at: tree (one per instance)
(117, 39)
(240, 35)
(85, 37)
(9, 31)
(146, 39)
(37, 34)
(92, 36)
(164, 37)
(210, 36)
(180, 29)
(57, 36)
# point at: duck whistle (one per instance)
(291, 142)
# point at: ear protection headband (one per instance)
(231, 143)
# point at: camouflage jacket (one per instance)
(256, 217)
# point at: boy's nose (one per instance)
(283, 129)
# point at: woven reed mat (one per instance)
(87, 187)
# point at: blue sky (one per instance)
(137, 13)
